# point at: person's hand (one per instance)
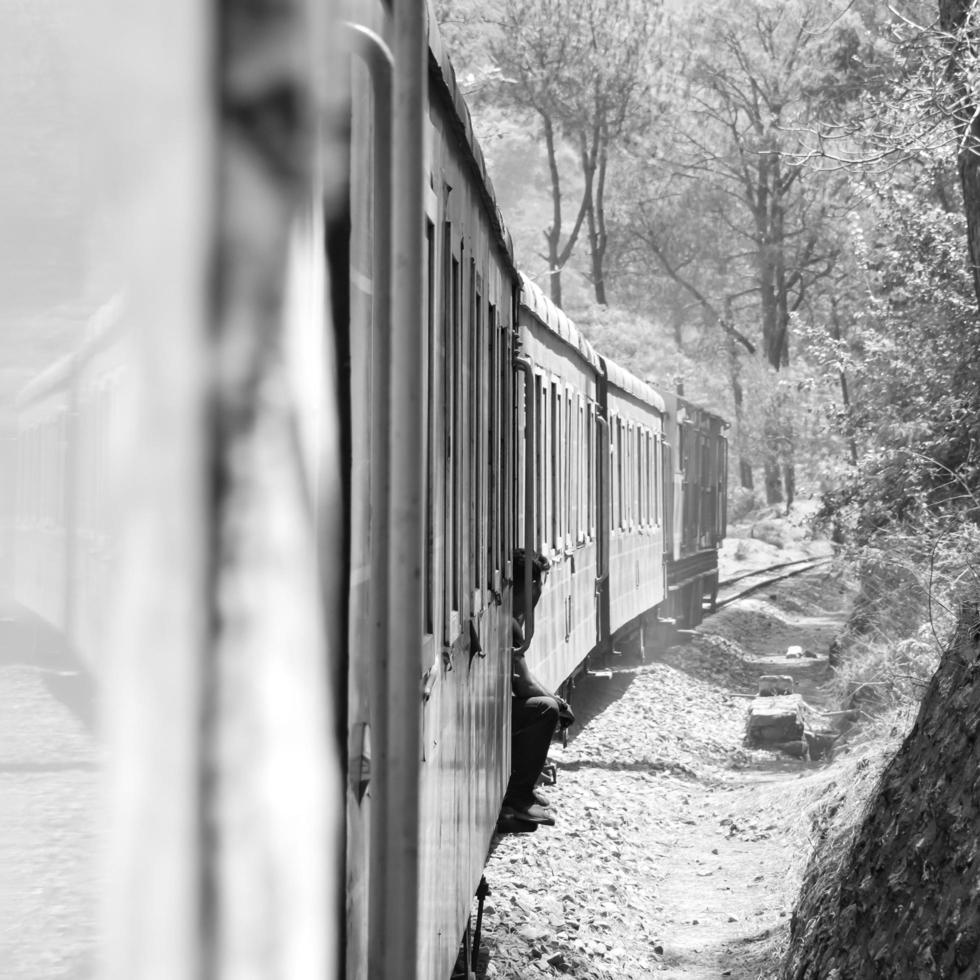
(565, 715)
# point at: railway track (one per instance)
(763, 577)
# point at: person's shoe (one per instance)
(533, 813)
(539, 797)
(509, 823)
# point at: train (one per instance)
(476, 422)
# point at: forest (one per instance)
(775, 207)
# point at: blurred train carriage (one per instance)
(474, 418)
(64, 533)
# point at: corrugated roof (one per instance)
(556, 320)
(631, 384)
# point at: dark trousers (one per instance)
(533, 723)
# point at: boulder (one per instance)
(776, 719)
(771, 685)
(777, 533)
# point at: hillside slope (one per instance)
(896, 896)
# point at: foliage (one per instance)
(582, 70)
(910, 354)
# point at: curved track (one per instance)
(763, 577)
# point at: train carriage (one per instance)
(68, 418)
(635, 569)
(460, 661)
(592, 450)
(697, 460)
(559, 455)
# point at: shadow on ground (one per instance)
(27, 640)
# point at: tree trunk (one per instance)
(952, 18)
(844, 390)
(559, 254)
(789, 483)
(774, 488)
(597, 232)
(738, 397)
(553, 234)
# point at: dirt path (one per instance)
(49, 815)
(678, 851)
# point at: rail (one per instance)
(788, 569)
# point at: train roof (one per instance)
(101, 329)
(698, 412)
(442, 73)
(558, 322)
(631, 384)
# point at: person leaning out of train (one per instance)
(535, 711)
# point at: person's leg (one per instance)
(533, 723)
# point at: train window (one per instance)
(555, 466)
(705, 495)
(590, 488)
(624, 475)
(505, 441)
(641, 477)
(428, 509)
(577, 473)
(645, 499)
(613, 474)
(616, 449)
(453, 482)
(474, 442)
(660, 480)
(540, 467)
(569, 470)
(628, 475)
(625, 481)
(648, 471)
(636, 465)
(650, 504)
(638, 471)
(624, 471)
(492, 447)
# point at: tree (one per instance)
(582, 68)
(767, 216)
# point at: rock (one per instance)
(775, 684)
(532, 933)
(820, 744)
(772, 532)
(775, 719)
